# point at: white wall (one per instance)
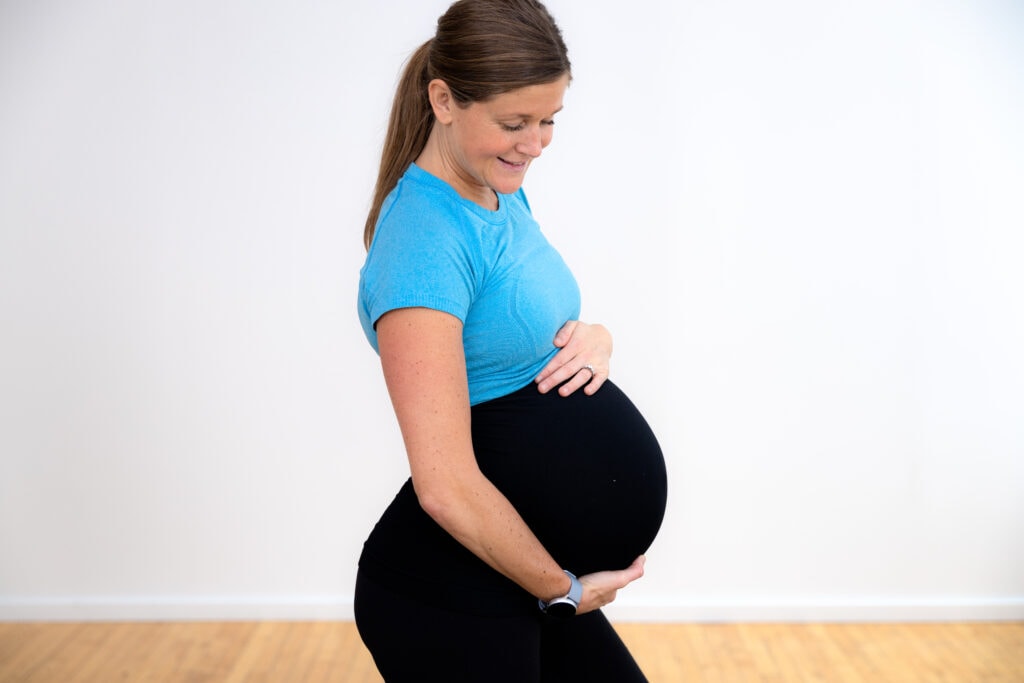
(801, 220)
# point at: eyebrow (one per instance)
(530, 116)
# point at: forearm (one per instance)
(425, 370)
(482, 519)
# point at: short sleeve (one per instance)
(420, 256)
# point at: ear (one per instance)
(441, 100)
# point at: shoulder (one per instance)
(425, 213)
(415, 206)
(423, 229)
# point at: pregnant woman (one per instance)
(536, 484)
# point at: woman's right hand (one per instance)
(600, 588)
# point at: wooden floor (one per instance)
(283, 652)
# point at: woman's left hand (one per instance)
(583, 360)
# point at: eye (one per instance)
(522, 126)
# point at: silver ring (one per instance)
(590, 367)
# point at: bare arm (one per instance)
(425, 369)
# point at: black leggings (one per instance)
(430, 610)
(415, 642)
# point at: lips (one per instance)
(513, 164)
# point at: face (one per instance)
(488, 146)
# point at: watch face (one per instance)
(562, 609)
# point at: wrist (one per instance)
(567, 604)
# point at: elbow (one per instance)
(450, 495)
(441, 505)
(433, 505)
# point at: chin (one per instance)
(507, 187)
(503, 181)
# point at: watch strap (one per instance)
(567, 604)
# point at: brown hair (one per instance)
(482, 48)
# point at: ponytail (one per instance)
(408, 130)
(482, 48)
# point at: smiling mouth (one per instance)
(517, 164)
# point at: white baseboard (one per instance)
(198, 608)
(339, 608)
(803, 610)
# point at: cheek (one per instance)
(488, 145)
(545, 137)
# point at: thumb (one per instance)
(635, 570)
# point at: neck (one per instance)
(438, 160)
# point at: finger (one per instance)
(559, 362)
(565, 333)
(575, 385)
(582, 377)
(552, 376)
(597, 379)
(593, 385)
(574, 382)
(562, 367)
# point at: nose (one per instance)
(532, 142)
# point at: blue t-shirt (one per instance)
(493, 270)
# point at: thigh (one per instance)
(585, 649)
(413, 642)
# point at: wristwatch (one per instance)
(567, 605)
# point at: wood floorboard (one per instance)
(331, 652)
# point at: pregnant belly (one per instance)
(585, 472)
